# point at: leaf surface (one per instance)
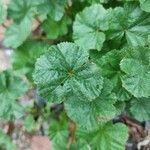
(136, 66)
(65, 68)
(89, 27)
(129, 24)
(91, 114)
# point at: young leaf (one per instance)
(11, 88)
(65, 68)
(89, 27)
(129, 23)
(17, 33)
(91, 114)
(137, 71)
(141, 104)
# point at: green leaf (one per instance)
(145, 5)
(137, 71)
(89, 27)
(5, 142)
(2, 13)
(107, 137)
(110, 68)
(24, 57)
(142, 105)
(11, 88)
(91, 114)
(58, 133)
(17, 33)
(64, 69)
(54, 29)
(54, 8)
(30, 124)
(20, 9)
(129, 24)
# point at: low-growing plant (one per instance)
(89, 60)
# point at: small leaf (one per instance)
(89, 27)
(65, 68)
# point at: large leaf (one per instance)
(91, 114)
(66, 68)
(89, 27)
(137, 71)
(107, 137)
(129, 23)
(142, 105)
(11, 88)
(17, 33)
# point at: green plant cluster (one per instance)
(92, 56)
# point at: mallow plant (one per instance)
(91, 57)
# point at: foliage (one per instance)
(90, 56)
(11, 88)
(5, 142)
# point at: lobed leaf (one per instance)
(129, 24)
(91, 114)
(137, 71)
(89, 27)
(65, 69)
